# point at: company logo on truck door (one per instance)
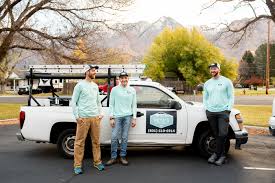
(161, 122)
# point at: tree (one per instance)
(51, 27)
(87, 53)
(186, 53)
(239, 31)
(247, 68)
(24, 24)
(248, 57)
(260, 60)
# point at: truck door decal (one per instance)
(161, 122)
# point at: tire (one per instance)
(206, 144)
(65, 143)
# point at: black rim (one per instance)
(210, 144)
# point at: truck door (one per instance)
(157, 122)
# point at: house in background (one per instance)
(17, 79)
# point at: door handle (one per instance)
(139, 114)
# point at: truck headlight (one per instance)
(239, 120)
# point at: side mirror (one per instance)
(175, 105)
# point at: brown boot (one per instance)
(111, 162)
(123, 161)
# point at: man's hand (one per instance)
(112, 123)
(79, 120)
(134, 122)
(100, 117)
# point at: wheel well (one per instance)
(204, 125)
(58, 128)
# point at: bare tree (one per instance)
(52, 26)
(47, 25)
(241, 30)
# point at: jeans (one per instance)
(121, 129)
(219, 123)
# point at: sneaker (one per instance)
(212, 158)
(100, 167)
(220, 161)
(78, 170)
(123, 161)
(111, 162)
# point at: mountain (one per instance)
(137, 37)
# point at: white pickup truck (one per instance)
(163, 119)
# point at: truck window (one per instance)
(150, 97)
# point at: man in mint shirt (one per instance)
(123, 109)
(87, 111)
(218, 99)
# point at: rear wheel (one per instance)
(206, 144)
(65, 144)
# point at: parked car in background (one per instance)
(238, 86)
(25, 90)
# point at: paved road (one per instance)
(32, 163)
(239, 100)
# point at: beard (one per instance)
(92, 76)
(214, 74)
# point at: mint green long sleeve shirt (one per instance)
(218, 94)
(123, 102)
(85, 100)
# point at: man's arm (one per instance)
(134, 109)
(205, 96)
(100, 111)
(230, 94)
(111, 108)
(112, 103)
(134, 105)
(75, 98)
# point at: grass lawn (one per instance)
(260, 91)
(9, 111)
(255, 115)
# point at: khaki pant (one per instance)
(91, 125)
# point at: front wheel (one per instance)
(206, 144)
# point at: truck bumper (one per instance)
(272, 125)
(20, 136)
(272, 130)
(241, 138)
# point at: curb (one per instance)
(14, 121)
(257, 130)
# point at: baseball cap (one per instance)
(88, 67)
(123, 74)
(215, 65)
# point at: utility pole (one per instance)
(267, 60)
